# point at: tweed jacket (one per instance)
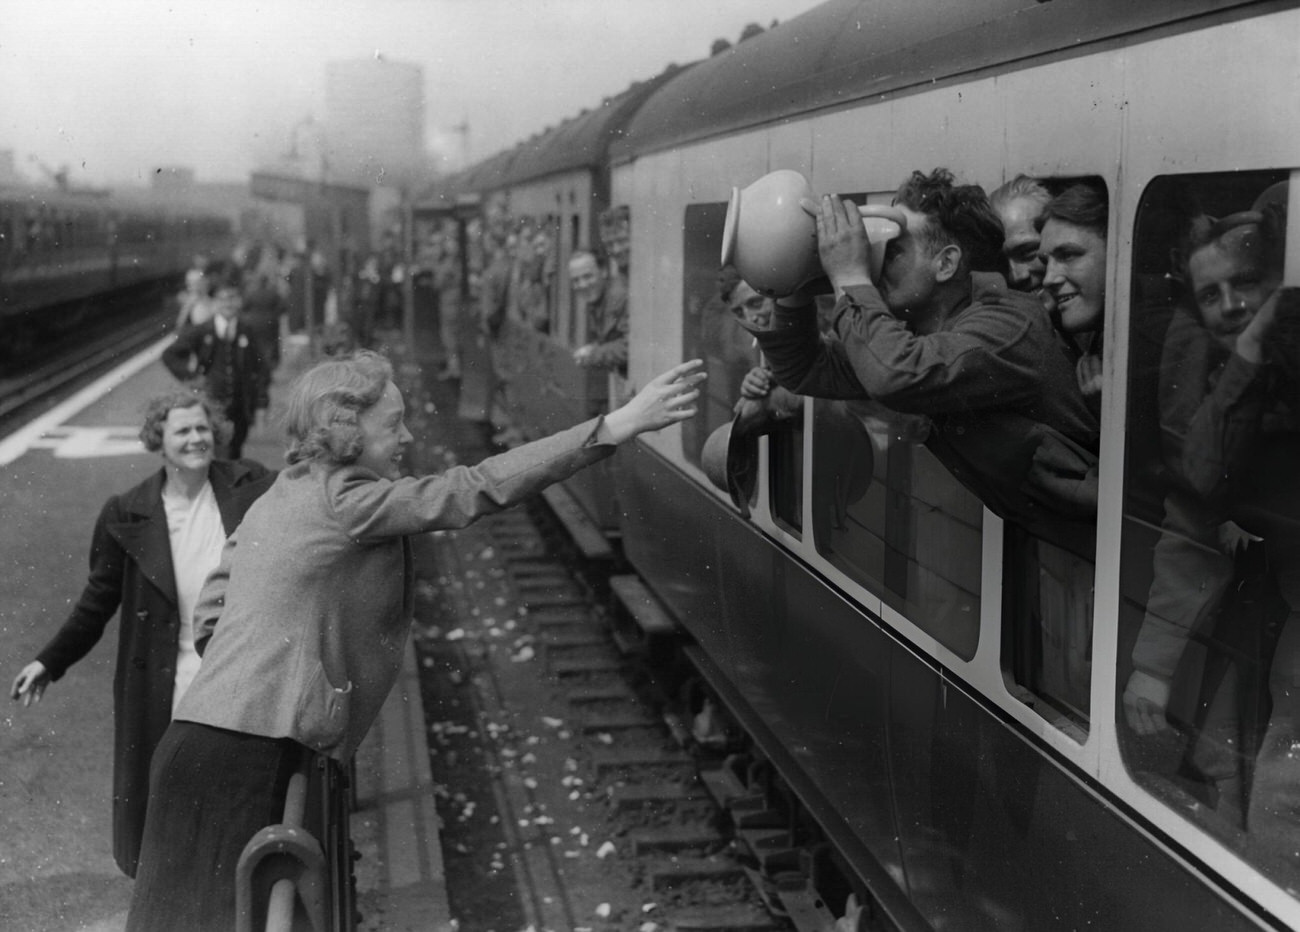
(131, 567)
(311, 605)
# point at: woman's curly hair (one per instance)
(323, 412)
(157, 408)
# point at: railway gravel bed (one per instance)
(566, 800)
(586, 779)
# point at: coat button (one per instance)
(137, 662)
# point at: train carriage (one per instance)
(541, 202)
(63, 252)
(944, 695)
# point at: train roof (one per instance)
(847, 50)
(125, 200)
(581, 142)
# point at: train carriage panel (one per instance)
(658, 333)
(791, 146)
(676, 544)
(1000, 772)
(988, 812)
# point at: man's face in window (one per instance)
(587, 279)
(1230, 279)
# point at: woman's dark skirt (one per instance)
(210, 791)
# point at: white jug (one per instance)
(771, 238)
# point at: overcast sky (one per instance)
(111, 89)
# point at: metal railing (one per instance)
(297, 874)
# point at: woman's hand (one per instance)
(667, 399)
(29, 684)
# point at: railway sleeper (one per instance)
(559, 639)
(676, 838)
(683, 809)
(740, 918)
(559, 619)
(556, 598)
(544, 567)
(679, 871)
(583, 666)
(609, 762)
(586, 695)
(594, 723)
(660, 793)
(531, 587)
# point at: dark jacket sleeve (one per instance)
(802, 361)
(974, 362)
(182, 357)
(99, 599)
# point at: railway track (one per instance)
(592, 779)
(28, 385)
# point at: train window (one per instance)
(1048, 567)
(785, 482)
(886, 513)
(1210, 610)
(710, 330)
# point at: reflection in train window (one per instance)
(785, 487)
(710, 331)
(1209, 709)
(889, 515)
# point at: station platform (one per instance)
(57, 872)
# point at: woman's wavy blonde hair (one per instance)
(323, 412)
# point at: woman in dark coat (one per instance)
(132, 567)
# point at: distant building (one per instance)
(172, 178)
(374, 121)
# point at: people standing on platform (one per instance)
(365, 302)
(310, 611)
(263, 309)
(309, 287)
(447, 282)
(493, 308)
(152, 548)
(606, 314)
(193, 299)
(226, 358)
(494, 285)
